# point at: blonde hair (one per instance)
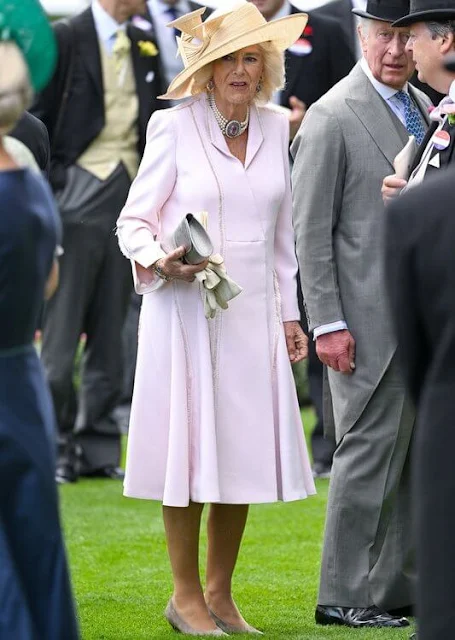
(272, 76)
(15, 87)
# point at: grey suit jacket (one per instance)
(345, 147)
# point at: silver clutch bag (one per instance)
(191, 234)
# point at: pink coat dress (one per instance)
(214, 415)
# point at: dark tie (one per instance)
(413, 119)
(173, 15)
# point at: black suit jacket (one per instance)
(33, 133)
(420, 243)
(84, 116)
(341, 11)
(310, 76)
(421, 278)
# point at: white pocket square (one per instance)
(435, 161)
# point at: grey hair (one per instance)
(365, 26)
(15, 87)
(273, 75)
(441, 29)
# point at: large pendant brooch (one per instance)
(233, 129)
(229, 128)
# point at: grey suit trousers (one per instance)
(368, 553)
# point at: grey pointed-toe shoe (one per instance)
(180, 625)
(231, 628)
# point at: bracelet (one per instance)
(160, 273)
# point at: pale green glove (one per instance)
(217, 287)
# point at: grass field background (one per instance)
(122, 580)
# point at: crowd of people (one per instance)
(280, 190)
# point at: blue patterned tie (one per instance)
(412, 117)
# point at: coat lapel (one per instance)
(89, 48)
(144, 73)
(374, 114)
(421, 104)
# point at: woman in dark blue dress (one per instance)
(35, 595)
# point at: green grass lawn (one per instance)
(122, 579)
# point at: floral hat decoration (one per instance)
(225, 31)
(24, 22)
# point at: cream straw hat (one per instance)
(226, 31)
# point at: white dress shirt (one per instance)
(388, 94)
(165, 36)
(106, 26)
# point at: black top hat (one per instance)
(384, 10)
(426, 10)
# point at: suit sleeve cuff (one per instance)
(339, 325)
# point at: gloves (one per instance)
(217, 287)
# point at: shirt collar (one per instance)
(285, 11)
(105, 24)
(384, 90)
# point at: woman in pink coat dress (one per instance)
(215, 417)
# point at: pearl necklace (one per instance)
(229, 128)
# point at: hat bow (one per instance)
(196, 35)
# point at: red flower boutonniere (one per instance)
(308, 32)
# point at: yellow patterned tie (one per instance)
(121, 50)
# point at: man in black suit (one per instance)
(33, 133)
(96, 109)
(421, 277)
(420, 264)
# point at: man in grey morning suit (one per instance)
(345, 147)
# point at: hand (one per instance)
(392, 187)
(298, 111)
(172, 266)
(337, 350)
(296, 341)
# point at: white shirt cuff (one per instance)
(339, 325)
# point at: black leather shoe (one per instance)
(65, 474)
(357, 617)
(114, 473)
